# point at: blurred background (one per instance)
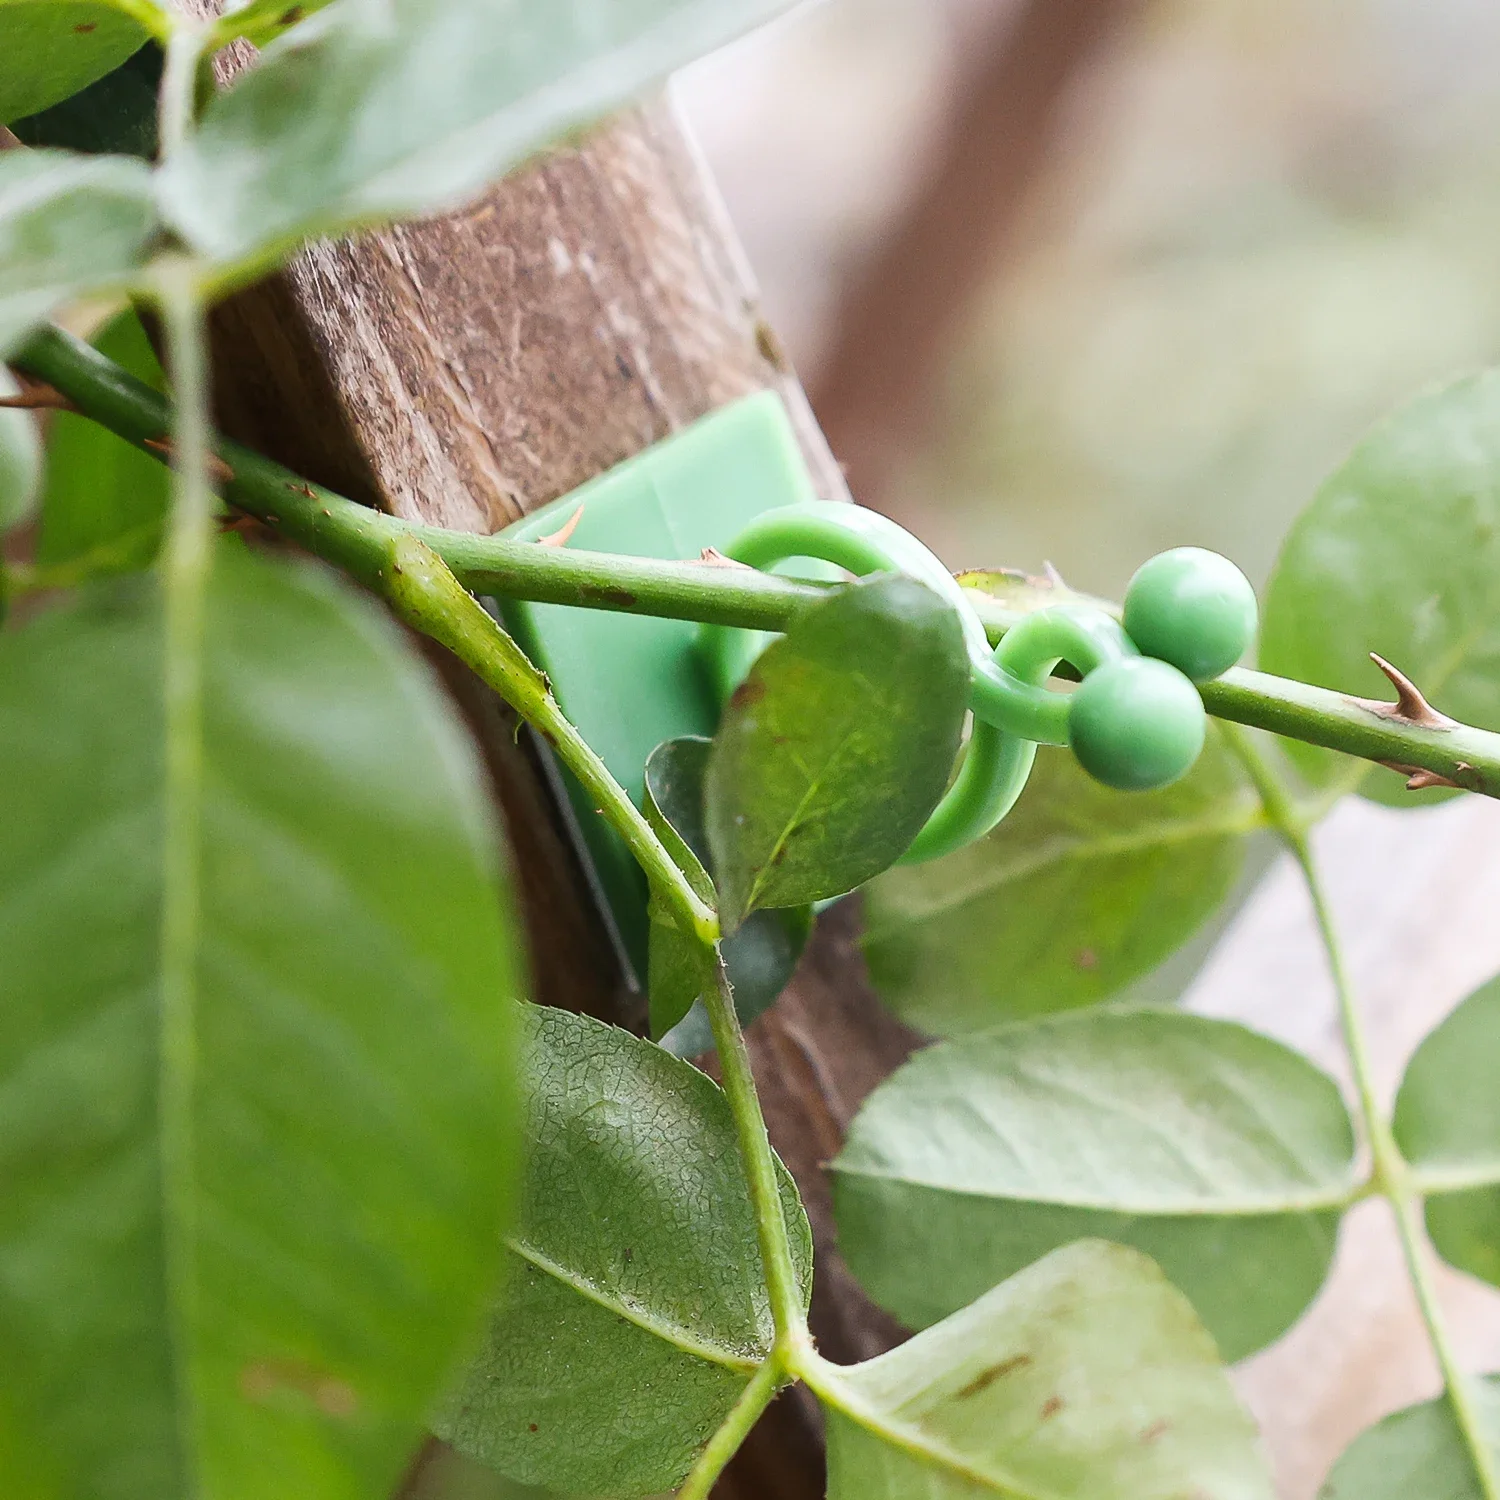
(1072, 281)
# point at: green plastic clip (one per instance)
(631, 681)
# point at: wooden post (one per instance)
(470, 368)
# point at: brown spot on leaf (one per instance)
(1158, 1429)
(336, 1397)
(748, 693)
(264, 1379)
(291, 16)
(1086, 959)
(84, 27)
(986, 1378)
(531, 1427)
(1050, 1407)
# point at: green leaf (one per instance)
(680, 965)
(1078, 892)
(635, 1309)
(104, 500)
(69, 225)
(382, 108)
(836, 747)
(1218, 1152)
(118, 113)
(1399, 553)
(263, 1296)
(1416, 1452)
(1447, 1124)
(760, 955)
(262, 21)
(50, 49)
(1083, 1377)
(20, 458)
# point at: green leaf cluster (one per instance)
(260, 1040)
(1227, 1158)
(1087, 1374)
(358, 113)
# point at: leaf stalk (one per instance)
(1391, 1177)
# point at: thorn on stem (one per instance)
(716, 559)
(242, 524)
(37, 398)
(218, 470)
(1410, 706)
(559, 538)
(1419, 778)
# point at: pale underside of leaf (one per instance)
(1084, 1375)
(1223, 1155)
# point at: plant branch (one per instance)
(422, 590)
(733, 1430)
(357, 539)
(760, 1163)
(1391, 1175)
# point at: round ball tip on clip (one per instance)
(1191, 608)
(1136, 724)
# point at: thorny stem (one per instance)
(358, 539)
(1390, 1174)
(423, 592)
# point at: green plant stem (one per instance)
(734, 1429)
(356, 539)
(423, 591)
(185, 572)
(177, 102)
(792, 1347)
(760, 1163)
(1390, 1174)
